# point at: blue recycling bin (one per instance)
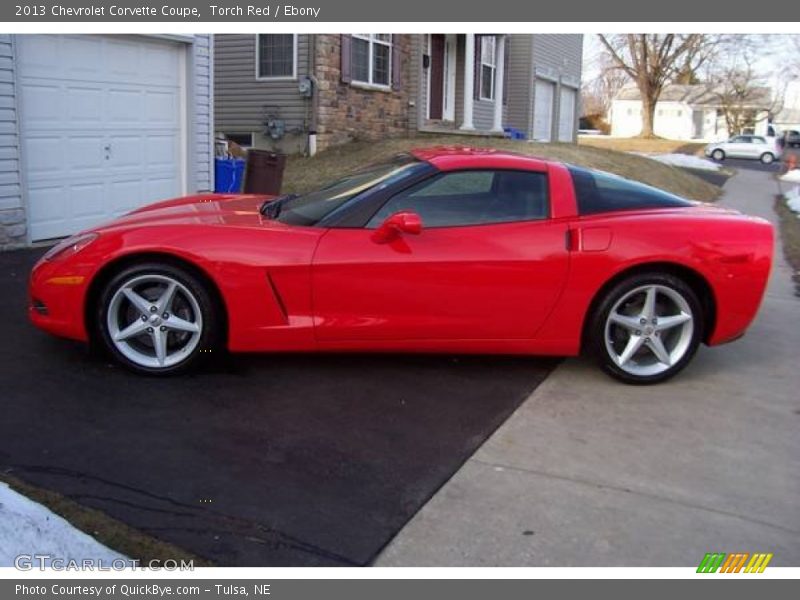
(228, 175)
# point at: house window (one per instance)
(488, 67)
(245, 140)
(276, 56)
(372, 58)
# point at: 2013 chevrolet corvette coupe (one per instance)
(439, 250)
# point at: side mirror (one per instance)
(397, 224)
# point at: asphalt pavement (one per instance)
(265, 460)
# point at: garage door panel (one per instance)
(42, 105)
(125, 106)
(43, 155)
(125, 195)
(163, 187)
(128, 151)
(161, 107)
(85, 156)
(49, 205)
(39, 56)
(566, 119)
(88, 201)
(84, 106)
(160, 149)
(101, 123)
(543, 110)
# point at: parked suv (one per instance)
(791, 138)
(758, 147)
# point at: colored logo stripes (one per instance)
(734, 563)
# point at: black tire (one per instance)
(596, 332)
(718, 155)
(767, 158)
(208, 339)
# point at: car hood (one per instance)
(209, 209)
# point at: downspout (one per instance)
(313, 103)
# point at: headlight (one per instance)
(70, 246)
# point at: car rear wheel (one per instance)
(718, 155)
(647, 328)
(156, 318)
(767, 158)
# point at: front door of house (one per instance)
(436, 88)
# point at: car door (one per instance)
(739, 147)
(488, 264)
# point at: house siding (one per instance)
(202, 141)
(199, 155)
(518, 72)
(13, 229)
(242, 102)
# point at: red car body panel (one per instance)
(523, 287)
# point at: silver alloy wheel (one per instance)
(767, 158)
(154, 320)
(649, 330)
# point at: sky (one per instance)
(771, 60)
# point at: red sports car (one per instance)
(440, 250)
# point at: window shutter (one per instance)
(397, 74)
(506, 62)
(476, 85)
(346, 59)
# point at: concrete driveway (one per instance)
(588, 472)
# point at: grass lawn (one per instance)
(106, 530)
(657, 145)
(790, 233)
(304, 174)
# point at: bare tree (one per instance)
(740, 90)
(652, 60)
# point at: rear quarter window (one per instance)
(598, 192)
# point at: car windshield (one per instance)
(308, 209)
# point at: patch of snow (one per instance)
(29, 528)
(687, 161)
(792, 176)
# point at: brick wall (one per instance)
(347, 112)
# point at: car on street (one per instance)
(445, 249)
(757, 147)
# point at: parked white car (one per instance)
(758, 147)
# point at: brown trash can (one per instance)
(264, 172)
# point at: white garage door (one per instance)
(544, 93)
(566, 115)
(101, 127)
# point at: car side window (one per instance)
(759, 140)
(740, 139)
(476, 197)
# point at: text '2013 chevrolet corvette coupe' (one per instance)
(439, 250)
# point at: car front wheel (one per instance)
(718, 155)
(156, 318)
(767, 158)
(646, 328)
